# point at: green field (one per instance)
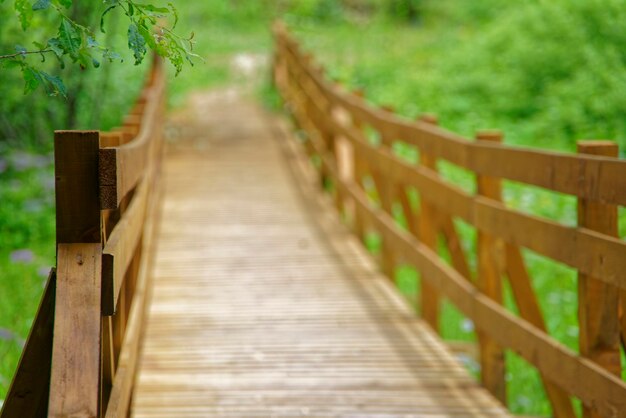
(545, 73)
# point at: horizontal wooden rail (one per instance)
(334, 120)
(122, 166)
(605, 177)
(120, 248)
(107, 191)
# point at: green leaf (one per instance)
(32, 79)
(66, 3)
(136, 43)
(147, 36)
(24, 11)
(55, 45)
(108, 9)
(53, 85)
(84, 58)
(41, 4)
(69, 38)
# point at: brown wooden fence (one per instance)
(335, 123)
(95, 299)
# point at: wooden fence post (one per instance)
(75, 374)
(597, 301)
(429, 296)
(385, 190)
(489, 281)
(358, 172)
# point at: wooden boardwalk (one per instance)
(264, 305)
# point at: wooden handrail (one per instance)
(107, 190)
(333, 118)
(551, 170)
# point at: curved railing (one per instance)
(335, 121)
(81, 355)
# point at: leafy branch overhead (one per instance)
(77, 43)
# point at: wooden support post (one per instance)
(598, 301)
(358, 174)
(77, 198)
(529, 309)
(385, 190)
(75, 374)
(489, 282)
(429, 297)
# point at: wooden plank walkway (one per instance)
(264, 306)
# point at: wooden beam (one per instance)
(76, 183)
(489, 281)
(430, 303)
(529, 309)
(75, 376)
(597, 301)
(597, 388)
(120, 248)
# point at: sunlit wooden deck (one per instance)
(264, 306)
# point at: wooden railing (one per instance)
(81, 355)
(334, 123)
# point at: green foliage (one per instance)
(407, 10)
(79, 44)
(137, 43)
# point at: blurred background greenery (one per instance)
(547, 73)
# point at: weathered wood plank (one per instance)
(315, 321)
(120, 248)
(75, 376)
(76, 184)
(598, 302)
(489, 282)
(591, 252)
(122, 167)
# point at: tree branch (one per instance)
(19, 54)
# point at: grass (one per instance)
(26, 249)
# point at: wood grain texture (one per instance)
(489, 282)
(264, 305)
(120, 248)
(122, 167)
(76, 186)
(75, 376)
(598, 302)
